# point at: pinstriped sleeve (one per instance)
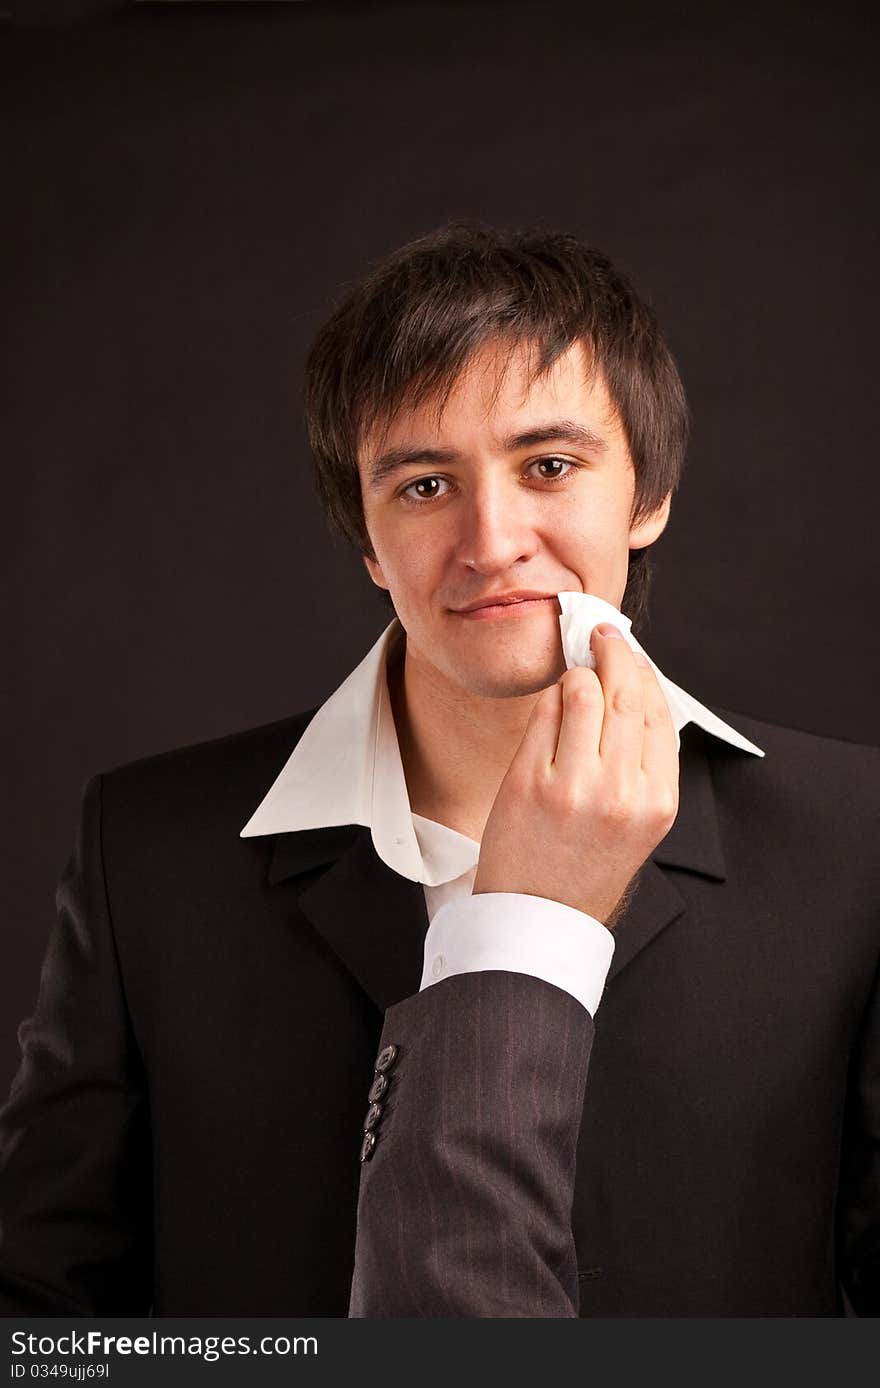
(465, 1203)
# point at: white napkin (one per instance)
(583, 611)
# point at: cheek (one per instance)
(410, 571)
(595, 546)
(588, 537)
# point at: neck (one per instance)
(455, 747)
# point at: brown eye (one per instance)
(555, 463)
(422, 489)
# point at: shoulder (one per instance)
(822, 789)
(224, 778)
(793, 751)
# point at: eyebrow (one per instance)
(554, 431)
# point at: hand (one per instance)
(592, 789)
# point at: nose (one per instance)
(495, 532)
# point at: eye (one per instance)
(554, 463)
(432, 482)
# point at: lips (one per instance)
(504, 600)
(506, 607)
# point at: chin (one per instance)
(488, 683)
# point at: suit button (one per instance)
(385, 1059)
(377, 1088)
(367, 1146)
(374, 1113)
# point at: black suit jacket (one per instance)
(184, 1130)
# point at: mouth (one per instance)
(505, 608)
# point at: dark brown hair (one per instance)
(403, 334)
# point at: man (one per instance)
(382, 928)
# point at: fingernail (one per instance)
(606, 629)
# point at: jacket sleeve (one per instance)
(466, 1193)
(74, 1142)
(859, 1200)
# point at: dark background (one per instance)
(188, 186)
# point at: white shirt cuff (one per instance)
(520, 934)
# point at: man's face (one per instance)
(507, 489)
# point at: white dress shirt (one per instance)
(346, 769)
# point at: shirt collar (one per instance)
(346, 769)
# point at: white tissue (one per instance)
(583, 611)
(580, 613)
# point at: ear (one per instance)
(645, 531)
(374, 569)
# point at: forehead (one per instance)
(499, 390)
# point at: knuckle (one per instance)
(565, 799)
(568, 811)
(571, 796)
(627, 699)
(657, 714)
(666, 807)
(585, 696)
(618, 808)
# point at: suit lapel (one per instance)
(693, 844)
(655, 904)
(375, 920)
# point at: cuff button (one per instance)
(377, 1088)
(385, 1059)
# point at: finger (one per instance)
(659, 752)
(583, 709)
(538, 746)
(620, 745)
